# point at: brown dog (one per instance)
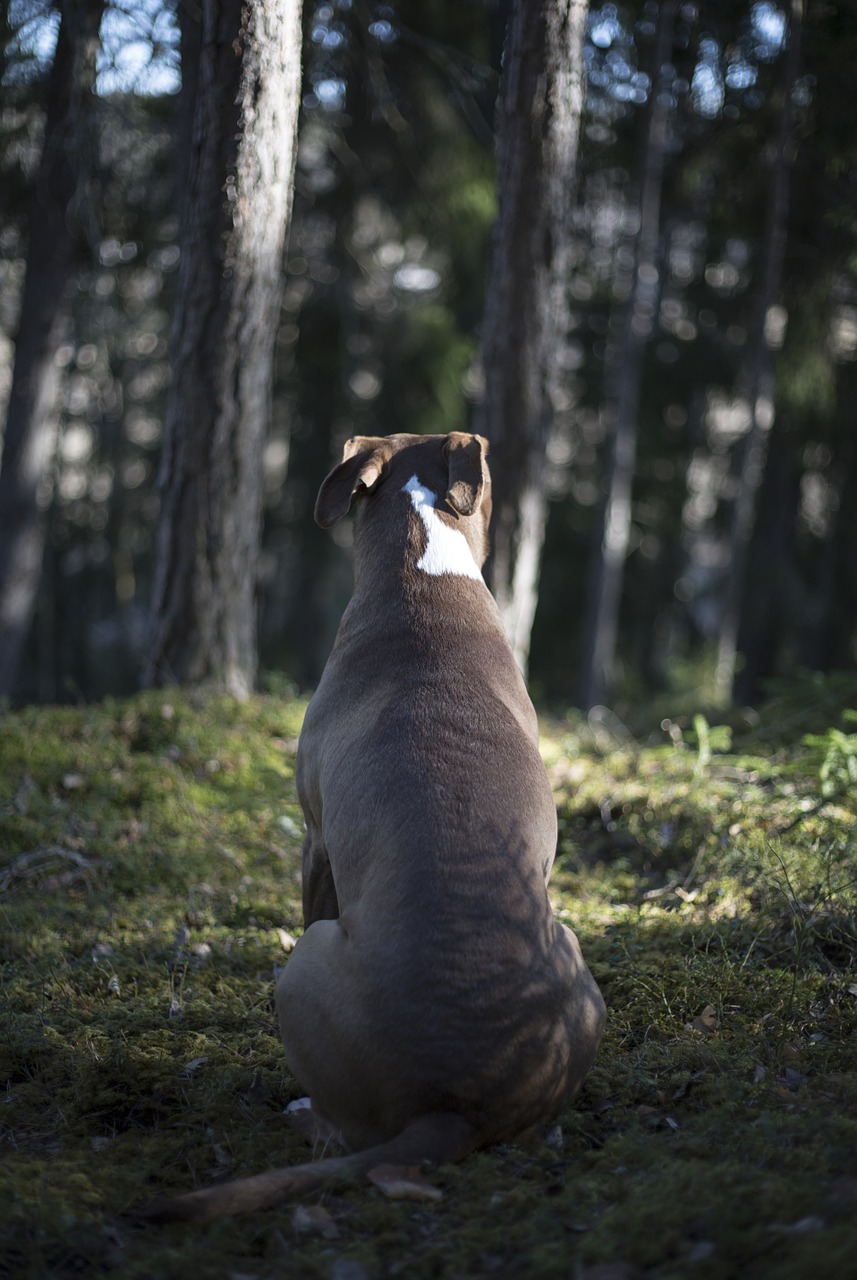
(433, 1005)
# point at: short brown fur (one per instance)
(433, 1005)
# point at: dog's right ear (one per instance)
(363, 460)
(464, 454)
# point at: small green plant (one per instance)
(837, 768)
(709, 738)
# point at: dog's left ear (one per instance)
(363, 460)
(466, 480)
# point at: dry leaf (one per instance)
(222, 1156)
(683, 1089)
(24, 793)
(403, 1182)
(554, 1138)
(707, 1021)
(313, 1219)
(290, 827)
(349, 1269)
(805, 1225)
(610, 1271)
(193, 1065)
(53, 866)
(287, 942)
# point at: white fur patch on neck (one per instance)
(447, 550)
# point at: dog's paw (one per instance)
(299, 1104)
(315, 1128)
(301, 1118)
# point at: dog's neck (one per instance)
(447, 549)
(409, 539)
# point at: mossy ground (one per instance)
(150, 870)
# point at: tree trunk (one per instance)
(58, 203)
(243, 92)
(527, 319)
(607, 567)
(780, 606)
(758, 374)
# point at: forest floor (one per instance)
(150, 890)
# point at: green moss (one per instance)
(149, 860)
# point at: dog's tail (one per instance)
(441, 1138)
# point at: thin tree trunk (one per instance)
(780, 607)
(830, 644)
(607, 567)
(245, 91)
(527, 318)
(758, 374)
(57, 205)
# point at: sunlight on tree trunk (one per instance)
(610, 550)
(58, 204)
(527, 322)
(243, 93)
(758, 374)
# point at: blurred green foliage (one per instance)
(386, 270)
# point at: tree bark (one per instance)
(758, 374)
(58, 205)
(527, 320)
(610, 550)
(243, 90)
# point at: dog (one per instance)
(433, 1005)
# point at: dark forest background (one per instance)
(703, 419)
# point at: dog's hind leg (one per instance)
(327, 1036)
(318, 888)
(586, 1012)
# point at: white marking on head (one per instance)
(447, 550)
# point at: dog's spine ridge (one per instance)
(441, 1138)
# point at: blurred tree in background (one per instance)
(58, 213)
(702, 382)
(635, 323)
(527, 326)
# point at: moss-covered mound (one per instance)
(150, 888)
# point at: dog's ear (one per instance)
(466, 481)
(362, 463)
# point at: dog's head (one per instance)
(443, 479)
